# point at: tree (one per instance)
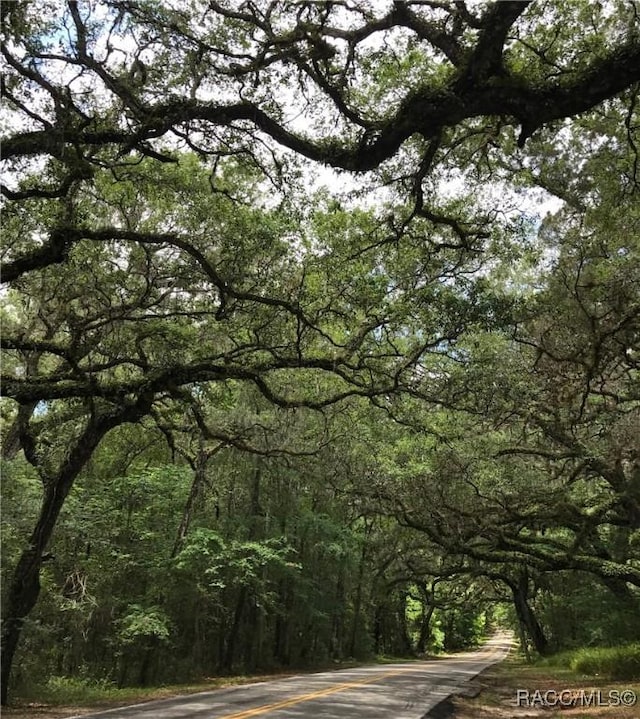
(128, 323)
(142, 272)
(531, 470)
(503, 63)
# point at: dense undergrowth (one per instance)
(619, 662)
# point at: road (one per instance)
(397, 691)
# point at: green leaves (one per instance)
(274, 397)
(141, 624)
(217, 562)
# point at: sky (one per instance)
(315, 176)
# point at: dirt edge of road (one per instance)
(31, 709)
(494, 693)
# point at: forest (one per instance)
(320, 332)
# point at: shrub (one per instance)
(60, 690)
(612, 662)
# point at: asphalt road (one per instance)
(398, 691)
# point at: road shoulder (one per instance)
(516, 690)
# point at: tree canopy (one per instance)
(300, 251)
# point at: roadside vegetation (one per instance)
(320, 336)
(494, 694)
(621, 662)
(67, 696)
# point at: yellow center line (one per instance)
(313, 695)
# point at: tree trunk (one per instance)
(281, 643)
(425, 629)
(525, 614)
(404, 639)
(379, 643)
(11, 444)
(336, 649)
(448, 627)
(25, 583)
(357, 606)
(199, 466)
(252, 643)
(232, 639)
(522, 635)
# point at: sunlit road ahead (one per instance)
(398, 691)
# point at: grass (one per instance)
(65, 696)
(613, 662)
(498, 687)
(620, 663)
(585, 669)
(73, 690)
